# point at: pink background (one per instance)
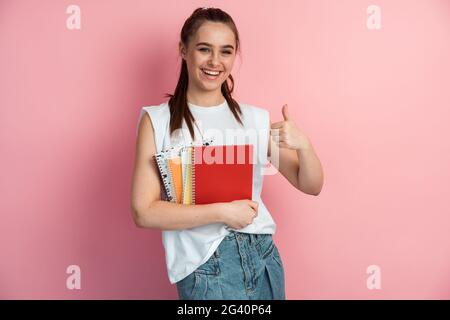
(375, 104)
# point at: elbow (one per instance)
(318, 189)
(140, 219)
(320, 186)
(143, 218)
(137, 218)
(311, 190)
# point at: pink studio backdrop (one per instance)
(375, 104)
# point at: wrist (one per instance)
(305, 147)
(219, 211)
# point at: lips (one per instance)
(211, 74)
(210, 70)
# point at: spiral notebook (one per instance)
(172, 172)
(207, 174)
(165, 177)
(222, 173)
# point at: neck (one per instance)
(205, 98)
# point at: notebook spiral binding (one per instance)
(161, 163)
(185, 152)
(193, 175)
(183, 180)
(206, 142)
(166, 172)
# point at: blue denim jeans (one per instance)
(244, 267)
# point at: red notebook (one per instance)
(222, 173)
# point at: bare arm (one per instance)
(298, 161)
(310, 173)
(307, 177)
(166, 215)
(147, 208)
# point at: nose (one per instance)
(213, 60)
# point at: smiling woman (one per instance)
(221, 250)
(208, 46)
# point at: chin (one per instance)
(209, 86)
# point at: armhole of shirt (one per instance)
(266, 136)
(262, 118)
(159, 117)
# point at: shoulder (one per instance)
(158, 114)
(157, 110)
(252, 108)
(258, 113)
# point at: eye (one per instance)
(207, 49)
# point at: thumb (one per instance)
(253, 205)
(285, 112)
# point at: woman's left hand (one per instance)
(286, 134)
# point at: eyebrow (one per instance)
(210, 45)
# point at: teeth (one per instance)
(212, 73)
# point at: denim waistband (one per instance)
(253, 237)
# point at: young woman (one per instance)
(220, 250)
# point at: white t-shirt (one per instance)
(187, 249)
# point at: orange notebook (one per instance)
(177, 181)
(222, 173)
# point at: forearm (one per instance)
(310, 173)
(167, 215)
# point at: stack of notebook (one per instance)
(207, 174)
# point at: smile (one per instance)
(211, 75)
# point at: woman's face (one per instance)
(212, 49)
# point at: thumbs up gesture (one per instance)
(286, 134)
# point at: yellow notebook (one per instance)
(176, 175)
(186, 156)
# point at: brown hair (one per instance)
(178, 101)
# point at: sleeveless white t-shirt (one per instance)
(187, 249)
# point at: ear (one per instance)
(182, 50)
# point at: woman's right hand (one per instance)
(238, 214)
